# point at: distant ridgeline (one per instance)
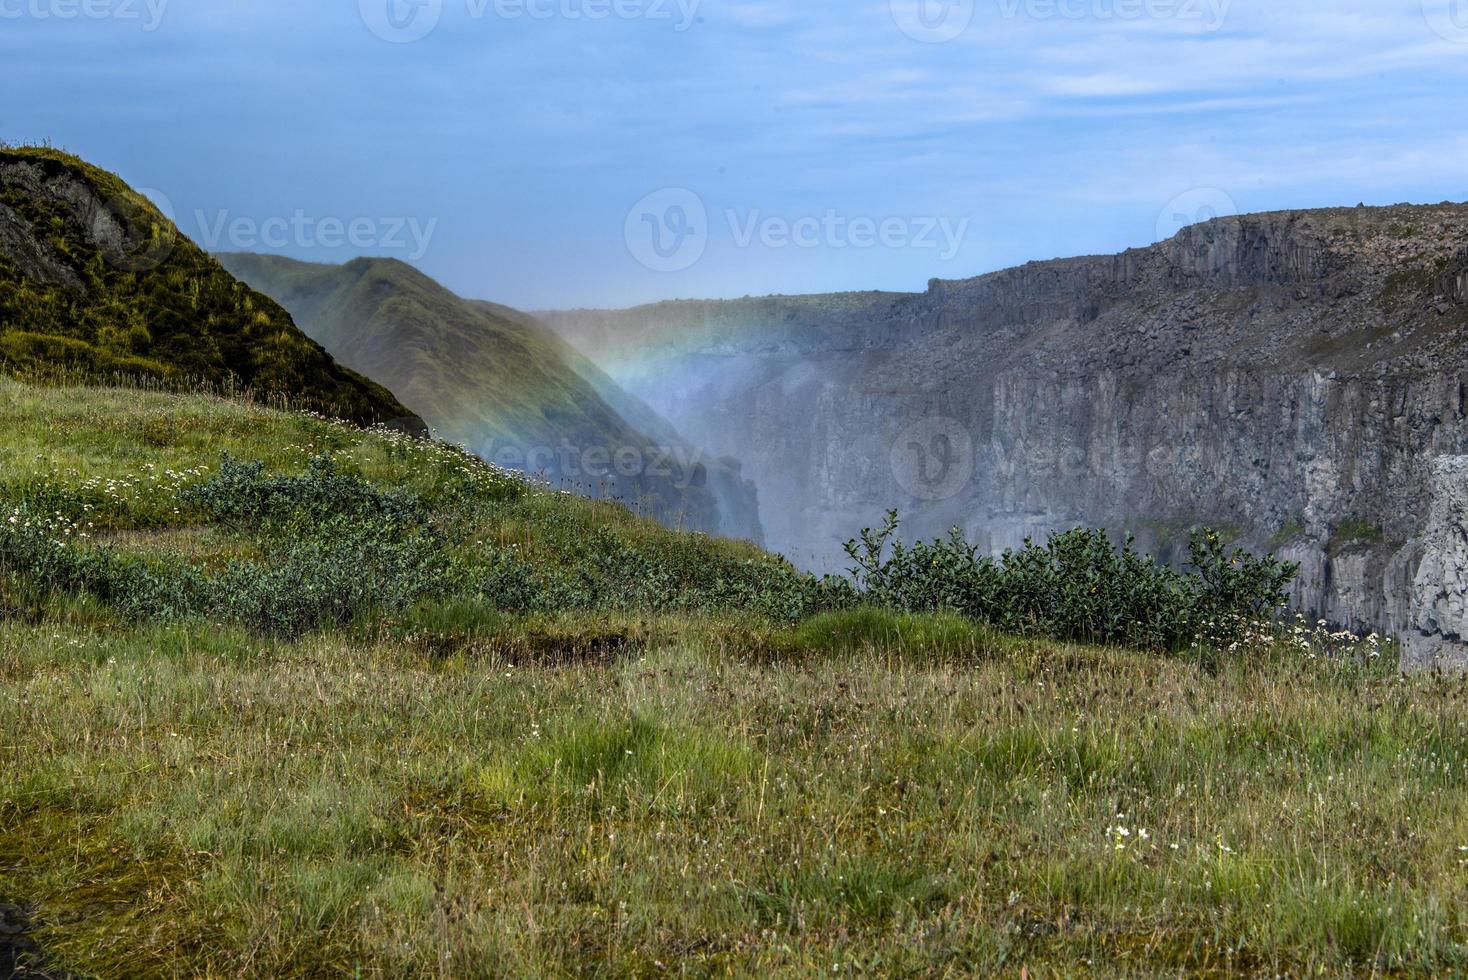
(95, 282)
(506, 386)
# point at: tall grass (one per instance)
(671, 766)
(187, 801)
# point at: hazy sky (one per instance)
(552, 153)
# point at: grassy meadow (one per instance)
(625, 752)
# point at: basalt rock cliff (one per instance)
(1292, 377)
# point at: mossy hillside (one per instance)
(162, 505)
(475, 376)
(96, 282)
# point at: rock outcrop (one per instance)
(1290, 377)
(1438, 633)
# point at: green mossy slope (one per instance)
(96, 282)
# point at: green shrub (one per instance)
(326, 548)
(335, 547)
(48, 553)
(243, 499)
(330, 580)
(510, 582)
(1235, 583)
(1078, 586)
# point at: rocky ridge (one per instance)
(1292, 377)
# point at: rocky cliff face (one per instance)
(1292, 377)
(1438, 633)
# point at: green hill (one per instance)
(501, 383)
(96, 282)
(346, 703)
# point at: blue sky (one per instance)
(556, 153)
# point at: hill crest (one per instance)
(96, 282)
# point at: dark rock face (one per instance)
(1438, 633)
(1291, 377)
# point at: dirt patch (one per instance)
(20, 957)
(536, 647)
(557, 649)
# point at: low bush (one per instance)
(326, 547)
(242, 498)
(50, 553)
(335, 546)
(1078, 586)
(330, 580)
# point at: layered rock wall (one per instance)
(1290, 378)
(1438, 633)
